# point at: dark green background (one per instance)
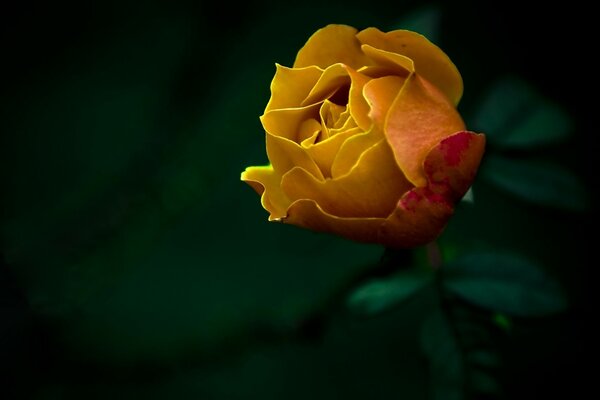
(135, 264)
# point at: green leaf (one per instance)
(504, 282)
(444, 356)
(379, 295)
(538, 182)
(514, 115)
(424, 20)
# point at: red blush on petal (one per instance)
(453, 148)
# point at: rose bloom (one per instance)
(364, 139)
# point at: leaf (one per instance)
(379, 295)
(538, 182)
(514, 115)
(445, 360)
(424, 20)
(504, 282)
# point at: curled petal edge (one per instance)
(429, 60)
(265, 181)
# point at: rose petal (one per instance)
(371, 189)
(333, 78)
(306, 213)
(419, 218)
(420, 117)
(378, 71)
(344, 122)
(430, 61)
(398, 63)
(266, 182)
(285, 155)
(332, 44)
(329, 113)
(323, 153)
(351, 151)
(287, 122)
(451, 166)
(422, 213)
(290, 86)
(380, 94)
(357, 104)
(309, 132)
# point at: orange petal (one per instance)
(285, 155)
(430, 61)
(332, 44)
(380, 94)
(266, 182)
(451, 166)
(371, 189)
(420, 117)
(419, 218)
(307, 214)
(332, 79)
(287, 122)
(422, 213)
(290, 86)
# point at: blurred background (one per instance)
(135, 264)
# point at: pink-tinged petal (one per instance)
(285, 155)
(266, 182)
(290, 86)
(420, 117)
(422, 213)
(332, 44)
(357, 104)
(332, 79)
(429, 60)
(371, 189)
(380, 94)
(452, 165)
(306, 213)
(287, 122)
(419, 218)
(398, 63)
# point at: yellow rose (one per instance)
(364, 140)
